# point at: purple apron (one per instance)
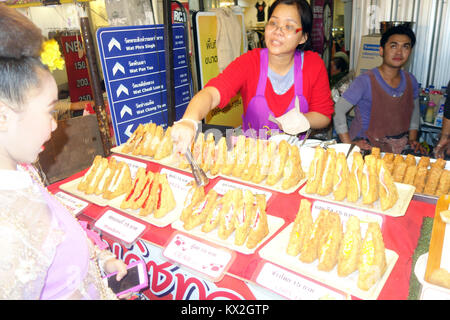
(255, 121)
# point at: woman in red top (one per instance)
(292, 70)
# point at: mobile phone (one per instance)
(135, 279)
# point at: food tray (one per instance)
(275, 251)
(405, 194)
(179, 184)
(71, 187)
(275, 223)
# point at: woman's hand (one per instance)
(183, 133)
(363, 144)
(441, 148)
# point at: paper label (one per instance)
(293, 286)
(132, 164)
(73, 204)
(208, 260)
(223, 186)
(120, 226)
(345, 213)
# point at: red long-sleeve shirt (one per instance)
(242, 76)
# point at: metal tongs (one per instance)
(199, 175)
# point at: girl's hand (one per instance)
(116, 265)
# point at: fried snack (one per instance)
(390, 167)
(165, 199)
(134, 140)
(201, 211)
(372, 261)
(398, 159)
(340, 179)
(310, 248)
(400, 171)
(410, 160)
(355, 178)
(136, 190)
(300, 229)
(107, 176)
(243, 218)
(220, 156)
(388, 157)
(266, 151)
(213, 218)
(433, 176)
(89, 175)
(424, 162)
(252, 159)
(97, 176)
(439, 163)
(440, 277)
(228, 213)
(329, 244)
(198, 147)
(350, 248)
(156, 140)
(144, 145)
(208, 153)
(410, 174)
(293, 172)
(326, 183)
(194, 196)
(259, 227)
(369, 182)
(241, 156)
(376, 152)
(444, 184)
(277, 164)
(316, 171)
(387, 188)
(165, 147)
(419, 180)
(229, 164)
(120, 182)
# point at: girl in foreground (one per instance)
(46, 253)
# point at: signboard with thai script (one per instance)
(133, 62)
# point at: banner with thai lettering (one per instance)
(77, 69)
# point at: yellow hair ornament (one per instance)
(51, 56)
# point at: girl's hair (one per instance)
(20, 47)
(306, 17)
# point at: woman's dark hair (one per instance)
(20, 47)
(306, 17)
(398, 30)
(340, 64)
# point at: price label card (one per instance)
(73, 204)
(293, 286)
(223, 186)
(133, 164)
(345, 213)
(209, 260)
(119, 226)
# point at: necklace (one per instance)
(104, 291)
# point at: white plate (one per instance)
(71, 187)
(275, 251)
(429, 291)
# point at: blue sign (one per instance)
(133, 62)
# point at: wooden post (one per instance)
(99, 107)
(168, 46)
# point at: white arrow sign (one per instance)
(118, 67)
(121, 89)
(125, 109)
(114, 43)
(128, 130)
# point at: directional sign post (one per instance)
(133, 62)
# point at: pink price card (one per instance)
(209, 260)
